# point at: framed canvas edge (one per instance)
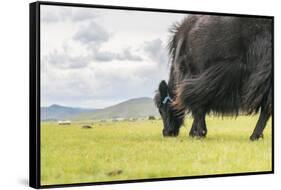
(273, 107)
(34, 94)
(157, 179)
(84, 5)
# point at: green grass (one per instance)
(136, 150)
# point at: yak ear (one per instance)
(163, 89)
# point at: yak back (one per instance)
(221, 64)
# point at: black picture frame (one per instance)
(34, 92)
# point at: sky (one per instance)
(94, 58)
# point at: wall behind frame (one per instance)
(14, 80)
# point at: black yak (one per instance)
(219, 64)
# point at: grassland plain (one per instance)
(126, 150)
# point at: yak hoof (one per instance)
(255, 137)
(192, 134)
(198, 134)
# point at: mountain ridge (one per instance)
(59, 112)
(132, 108)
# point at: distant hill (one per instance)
(58, 112)
(133, 108)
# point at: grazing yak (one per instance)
(219, 64)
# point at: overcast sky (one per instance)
(99, 57)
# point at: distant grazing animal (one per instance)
(86, 126)
(219, 64)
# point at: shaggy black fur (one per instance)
(220, 64)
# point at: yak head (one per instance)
(164, 104)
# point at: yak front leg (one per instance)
(193, 130)
(198, 128)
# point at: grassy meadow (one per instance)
(124, 150)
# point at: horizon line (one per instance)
(82, 107)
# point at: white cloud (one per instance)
(52, 14)
(92, 34)
(126, 54)
(156, 50)
(66, 61)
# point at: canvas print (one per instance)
(138, 95)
